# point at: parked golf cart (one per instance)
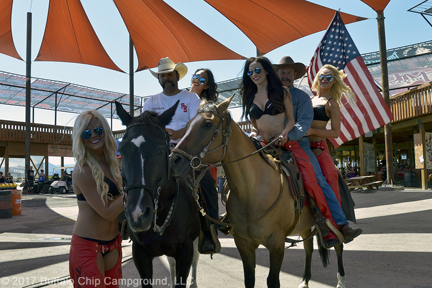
(61, 184)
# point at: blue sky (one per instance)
(402, 28)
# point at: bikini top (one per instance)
(269, 109)
(320, 112)
(113, 190)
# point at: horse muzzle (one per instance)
(140, 213)
(179, 166)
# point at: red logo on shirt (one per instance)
(184, 107)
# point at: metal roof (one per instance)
(60, 96)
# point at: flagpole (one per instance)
(384, 80)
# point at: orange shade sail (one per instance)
(377, 5)
(6, 43)
(158, 31)
(270, 24)
(69, 37)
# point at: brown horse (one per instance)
(257, 190)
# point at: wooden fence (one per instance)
(412, 103)
(12, 131)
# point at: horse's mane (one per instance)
(147, 118)
(208, 106)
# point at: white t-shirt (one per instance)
(186, 110)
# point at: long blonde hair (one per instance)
(83, 155)
(338, 88)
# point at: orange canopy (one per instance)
(6, 43)
(377, 5)
(69, 37)
(273, 23)
(158, 31)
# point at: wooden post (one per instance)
(361, 157)
(46, 167)
(410, 153)
(385, 91)
(6, 158)
(375, 157)
(424, 171)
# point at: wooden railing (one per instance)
(412, 103)
(39, 133)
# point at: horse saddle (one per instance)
(289, 167)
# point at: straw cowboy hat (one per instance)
(166, 65)
(287, 61)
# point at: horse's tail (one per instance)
(323, 252)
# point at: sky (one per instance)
(402, 28)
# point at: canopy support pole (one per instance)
(131, 77)
(28, 92)
(385, 86)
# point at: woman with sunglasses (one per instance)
(203, 84)
(266, 101)
(329, 87)
(95, 254)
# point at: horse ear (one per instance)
(125, 117)
(222, 107)
(166, 117)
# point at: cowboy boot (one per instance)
(349, 233)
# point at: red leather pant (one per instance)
(83, 268)
(309, 179)
(328, 167)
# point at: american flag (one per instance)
(369, 112)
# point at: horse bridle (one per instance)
(226, 132)
(157, 228)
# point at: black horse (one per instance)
(160, 210)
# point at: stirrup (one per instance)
(335, 231)
(214, 239)
(228, 231)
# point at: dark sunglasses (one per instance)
(257, 71)
(328, 77)
(201, 80)
(87, 133)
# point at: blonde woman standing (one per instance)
(95, 254)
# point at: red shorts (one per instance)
(327, 166)
(83, 268)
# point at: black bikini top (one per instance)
(113, 190)
(320, 112)
(269, 109)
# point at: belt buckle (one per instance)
(105, 249)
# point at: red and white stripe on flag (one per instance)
(370, 111)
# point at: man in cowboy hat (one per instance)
(169, 74)
(288, 71)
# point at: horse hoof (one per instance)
(341, 281)
(303, 285)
